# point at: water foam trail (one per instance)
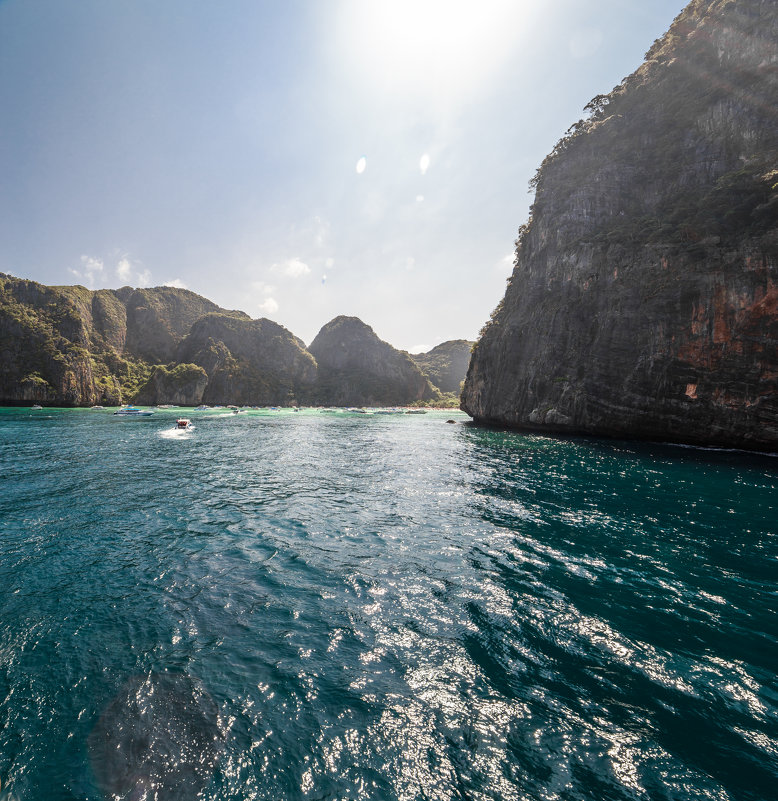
(176, 433)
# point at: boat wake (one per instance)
(176, 433)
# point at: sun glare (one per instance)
(439, 45)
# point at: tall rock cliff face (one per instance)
(71, 346)
(446, 364)
(255, 362)
(356, 368)
(182, 385)
(644, 298)
(159, 318)
(44, 345)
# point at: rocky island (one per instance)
(71, 346)
(644, 297)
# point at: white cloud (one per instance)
(420, 348)
(176, 282)
(263, 288)
(361, 165)
(91, 267)
(268, 306)
(329, 263)
(144, 278)
(129, 272)
(292, 268)
(505, 264)
(424, 164)
(124, 269)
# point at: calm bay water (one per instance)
(311, 606)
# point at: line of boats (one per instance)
(136, 411)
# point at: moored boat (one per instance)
(133, 411)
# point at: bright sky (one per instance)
(297, 159)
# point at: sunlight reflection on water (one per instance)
(382, 608)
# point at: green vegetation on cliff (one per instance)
(446, 364)
(73, 346)
(643, 298)
(69, 345)
(179, 384)
(255, 362)
(356, 368)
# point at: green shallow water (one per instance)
(311, 606)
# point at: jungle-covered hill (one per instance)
(71, 346)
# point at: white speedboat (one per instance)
(183, 424)
(36, 407)
(133, 411)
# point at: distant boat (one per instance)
(36, 407)
(202, 408)
(183, 424)
(133, 411)
(416, 411)
(97, 408)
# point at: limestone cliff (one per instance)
(256, 362)
(182, 385)
(159, 318)
(356, 368)
(644, 297)
(446, 364)
(44, 346)
(71, 346)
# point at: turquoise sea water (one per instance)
(330, 606)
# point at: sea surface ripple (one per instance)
(282, 605)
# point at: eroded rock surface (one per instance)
(644, 298)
